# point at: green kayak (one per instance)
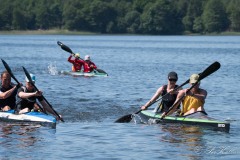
(197, 118)
(95, 73)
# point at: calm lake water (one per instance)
(137, 66)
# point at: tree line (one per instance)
(158, 17)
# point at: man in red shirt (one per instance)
(89, 66)
(76, 61)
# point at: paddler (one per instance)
(8, 92)
(89, 66)
(76, 61)
(27, 98)
(169, 99)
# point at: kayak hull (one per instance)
(28, 118)
(198, 119)
(90, 74)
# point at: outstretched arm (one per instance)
(155, 96)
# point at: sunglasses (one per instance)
(172, 80)
(196, 84)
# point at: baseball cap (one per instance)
(87, 57)
(194, 78)
(173, 75)
(32, 77)
(77, 55)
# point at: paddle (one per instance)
(10, 71)
(211, 69)
(67, 49)
(30, 80)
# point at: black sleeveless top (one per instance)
(11, 100)
(168, 100)
(29, 102)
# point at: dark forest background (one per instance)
(158, 17)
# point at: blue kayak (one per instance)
(28, 118)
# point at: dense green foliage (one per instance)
(159, 17)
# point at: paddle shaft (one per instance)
(30, 79)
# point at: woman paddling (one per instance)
(169, 99)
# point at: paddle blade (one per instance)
(64, 47)
(211, 69)
(101, 71)
(28, 76)
(59, 43)
(124, 119)
(9, 70)
(127, 118)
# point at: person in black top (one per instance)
(27, 97)
(8, 92)
(169, 99)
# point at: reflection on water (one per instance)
(20, 136)
(187, 138)
(181, 134)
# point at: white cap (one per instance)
(32, 77)
(77, 55)
(87, 57)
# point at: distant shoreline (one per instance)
(45, 32)
(67, 32)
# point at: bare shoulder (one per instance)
(160, 89)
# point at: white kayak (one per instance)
(28, 118)
(94, 73)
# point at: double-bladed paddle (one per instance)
(67, 49)
(30, 80)
(128, 118)
(212, 68)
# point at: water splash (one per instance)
(52, 69)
